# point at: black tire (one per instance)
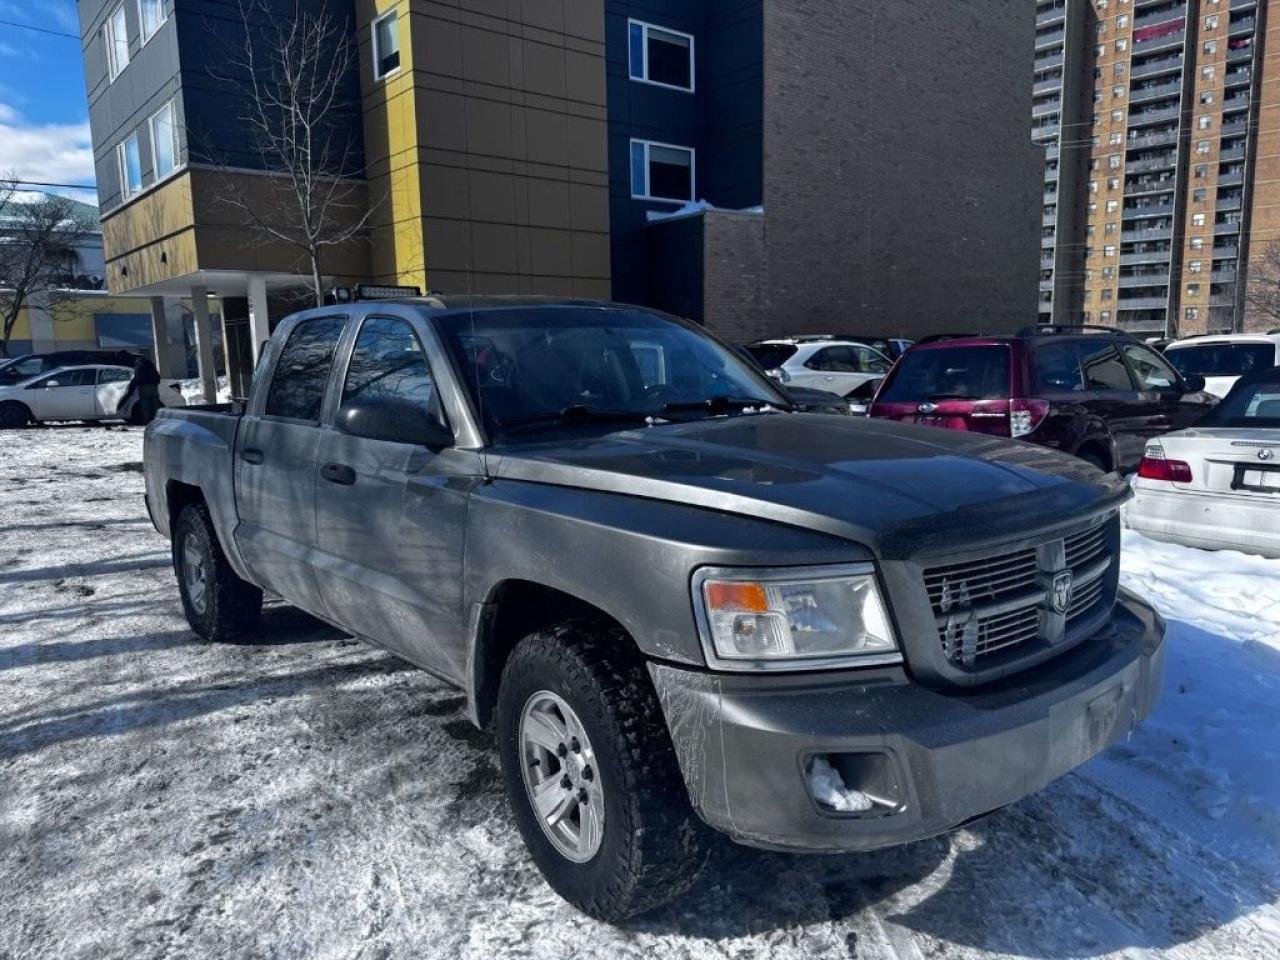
(652, 846)
(14, 414)
(227, 606)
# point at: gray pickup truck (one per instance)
(677, 601)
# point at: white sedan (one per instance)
(91, 392)
(1217, 485)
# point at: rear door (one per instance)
(842, 368)
(391, 516)
(275, 463)
(1110, 395)
(112, 384)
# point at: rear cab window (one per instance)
(301, 375)
(979, 372)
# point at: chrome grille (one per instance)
(1012, 599)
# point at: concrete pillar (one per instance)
(43, 337)
(204, 344)
(171, 356)
(259, 319)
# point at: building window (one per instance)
(661, 171)
(164, 141)
(1105, 315)
(1122, 21)
(1122, 45)
(1193, 289)
(151, 16)
(1109, 250)
(660, 56)
(1204, 122)
(1114, 161)
(1211, 46)
(1108, 272)
(1195, 266)
(1117, 91)
(1211, 23)
(1106, 294)
(1197, 219)
(1109, 229)
(129, 158)
(115, 39)
(1193, 313)
(1208, 72)
(1117, 115)
(1201, 171)
(1206, 96)
(1118, 70)
(1197, 243)
(1202, 146)
(1116, 137)
(1113, 206)
(1200, 195)
(386, 45)
(1113, 183)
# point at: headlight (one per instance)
(797, 619)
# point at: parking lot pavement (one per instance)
(299, 794)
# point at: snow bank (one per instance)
(829, 789)
(191, 391)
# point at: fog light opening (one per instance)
(853, 784)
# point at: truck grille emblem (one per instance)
(1062, 590)
(1265, 454)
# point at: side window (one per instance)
(1058, 367)
(67, 378)
(302, 372)
(114, 375)
(871, 361)
(388, 364)
(1152, 372)
(1102, 367)
(30, 367)
(820, 360)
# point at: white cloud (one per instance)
(49, 152)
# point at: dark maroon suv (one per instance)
(1095, 392)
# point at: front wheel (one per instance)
(13, 414)
(218, 604)
(591, 774)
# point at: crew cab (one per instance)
(678, 602)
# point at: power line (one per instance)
(28, 26)
(41, 183)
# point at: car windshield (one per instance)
(546, 368)
(1255, 404)
(1221, 359)
(770, 356)
(949, 373)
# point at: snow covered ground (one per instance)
(302, 795)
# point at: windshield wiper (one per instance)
(722, 404)
(578, 411)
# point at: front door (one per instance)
(1178, 407)
(64, 395)
(1110, 395)
(275, 465)
(390, 514)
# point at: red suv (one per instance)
(1095, 392)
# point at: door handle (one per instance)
(252, 455)
(338, 473)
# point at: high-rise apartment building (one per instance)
(761, 166)
(1178, 190)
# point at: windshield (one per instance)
(544, 368)
(1221, 359)
(1254, 404)
(949, 373)
(771, 355)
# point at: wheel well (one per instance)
(1099, 450)
(517, 608)
(178, 496)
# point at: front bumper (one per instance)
(1208, 521)
(742, 741)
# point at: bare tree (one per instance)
(39, 240)
(1262, 285)
(293, 73)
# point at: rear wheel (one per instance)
(591, 774)
(1092, 458)
(14, 414)
(218, 604)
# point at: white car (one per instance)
(90, 392)
(1217, 484)
(1222, 359)
(837, 366)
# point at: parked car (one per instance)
(680, 602)
(75, 393)
(1094, 392)
(1223, 359)
(1217, 485)
(805, 399)
(891, 347)
(32, 364)
(837, 366)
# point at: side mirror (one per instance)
(1194, 382)
(396, 421)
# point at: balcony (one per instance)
(1169, 41)
(1151, 256)
(1233, 202)
(1165, 162)
(1045, 86)
(1234, 127)
(1225, 275)
(1046, 263)
(1143, 117)
(1226, 251)
(1237, 77)
(1151, 68)
(1154, 92)
(1046, 60)
(1226, 229)
(1045, 133)
(1145, 18)
(1158, 279)
(1244, 4)
(1047, 107)
(1242, 26)
(1143, 303)
(1150, 233)
(1049, 37)
(1158, 139)
(1151, 210)
(1222, 301)
(1229, 179)
(1050, 14)
(1143, 186)
(1049, 219)
(1047, 243)
(1240, 53)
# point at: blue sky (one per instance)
(44, 118)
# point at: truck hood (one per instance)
(898, 489)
